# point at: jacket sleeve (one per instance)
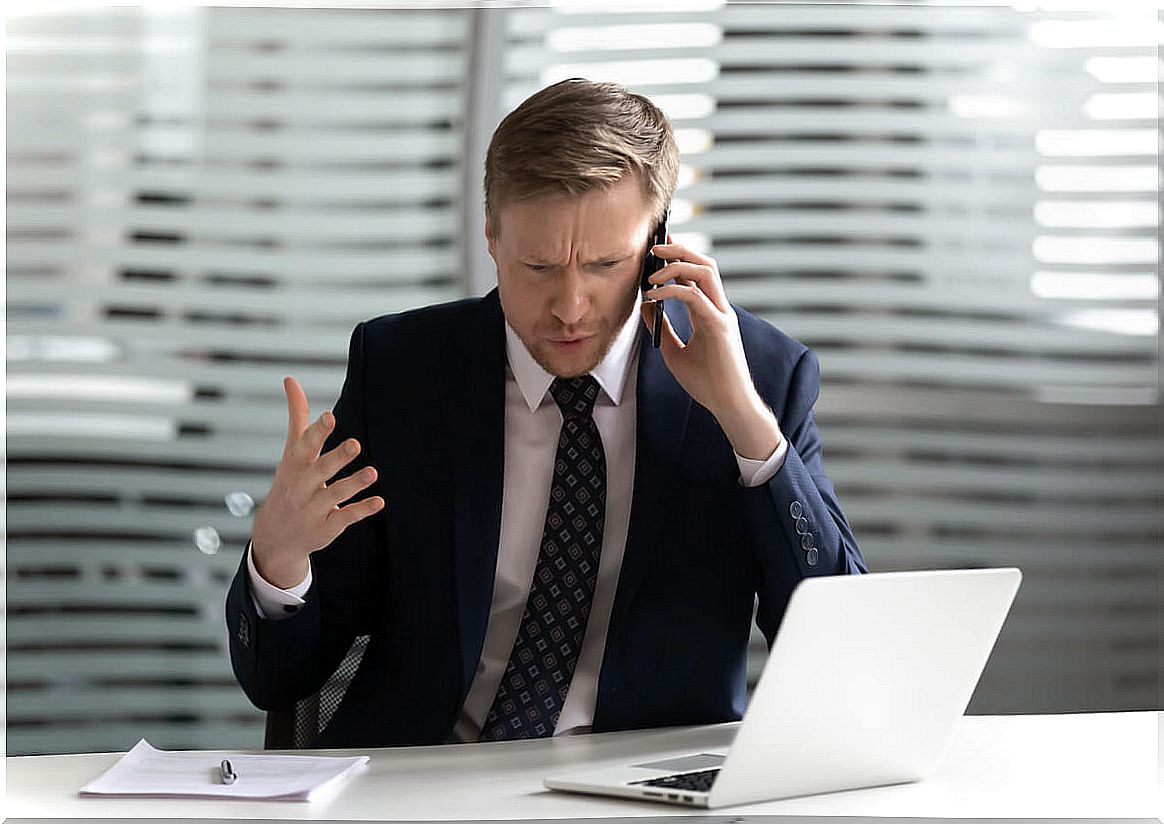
(278, 662)
(796, 523)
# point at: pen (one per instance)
(228, 773)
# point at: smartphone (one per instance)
(652, 264)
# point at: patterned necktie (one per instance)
(533, 688)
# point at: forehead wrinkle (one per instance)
(619, 255)
(537, 257)
(561, 230)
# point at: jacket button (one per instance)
(812, 557)
(806, 542)
(795, 509)
(290, 608)
(802, 525)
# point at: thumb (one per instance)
(670, 341)
(647, 312)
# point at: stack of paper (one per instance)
(145, 771)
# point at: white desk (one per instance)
(1045, 766)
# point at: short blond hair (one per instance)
(577, 136)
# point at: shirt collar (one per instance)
(611, 372)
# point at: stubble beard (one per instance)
(540, 357)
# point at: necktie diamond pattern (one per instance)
(533, 687)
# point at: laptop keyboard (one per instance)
(695, 781)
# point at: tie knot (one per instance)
(575, 396)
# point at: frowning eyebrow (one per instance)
(614, 256)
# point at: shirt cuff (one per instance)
(271, 601)
(756, 473)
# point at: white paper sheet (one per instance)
(148, 772)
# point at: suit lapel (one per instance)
(478, 431)
(660, 426)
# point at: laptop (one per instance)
(864, 683)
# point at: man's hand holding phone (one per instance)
(302, 512)
(711, 366)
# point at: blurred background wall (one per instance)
(956, 207)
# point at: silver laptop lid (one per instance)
(865, 680)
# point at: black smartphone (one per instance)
(652, 264)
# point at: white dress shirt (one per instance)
(532, 425)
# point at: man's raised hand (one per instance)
(711, 366)
(302, 512)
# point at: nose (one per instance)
(570, 300)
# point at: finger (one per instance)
(698, 304)
(308, 447)
(677, 251)
(670, 342)
(647, 310)
(332, 462)
(298, 412)
(344, 489)
(685, 272)
(343, 517)
(701, 274)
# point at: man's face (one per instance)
(568, 272)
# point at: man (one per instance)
(559, 527)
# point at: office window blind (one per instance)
(200, 201)
(957, 209)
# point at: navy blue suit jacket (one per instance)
(424, 395)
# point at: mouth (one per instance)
(572, 342)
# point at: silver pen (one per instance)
(228, 774)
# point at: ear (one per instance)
(489, 239)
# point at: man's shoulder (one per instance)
(419, 353)
(766, 341)
(774, 357)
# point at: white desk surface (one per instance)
(1047, 766)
